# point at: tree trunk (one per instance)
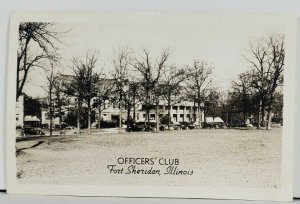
(89, 118)
(169, 114)
(51, 125)
(245, 118)
(128, 117)
(51, 109)
(78, 115)
(194, 110)
(120, 118)
(24, 53)
(157, 119)
(199, 115)
(263, 115)
(99, 120)
(259, 115)
(134, 114)
(17, 92)
(60, 115)
(99, 116)
(269, 120)
(204, 117)
(270, 112)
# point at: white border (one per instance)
(282, 194)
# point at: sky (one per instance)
(220, 40)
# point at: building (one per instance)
(184, 111)
(20, 112)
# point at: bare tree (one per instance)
(212, 104)
(60, 98)
(122, 62)
(84, 85)
(171, 89)
(37, 48)
(131, 99)
(105, 89)
(267, 61)
(243, 93)
(52, 79)
(149, 72)
(199, 83)
(258, 60)
(276, 60)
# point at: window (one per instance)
(17, 119)
(181, 115)
(175, 117)
(104, 114)
(144, 115)
(152, 116)
(174, 107)
(181, 107)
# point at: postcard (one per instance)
(151, 104)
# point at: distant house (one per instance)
(31, 121)
(214, 121)
(183, 111)
(20, 112)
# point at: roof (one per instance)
(209, 119)
(218, 120)
(214, 120)
(31, 118)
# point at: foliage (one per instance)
(32, 106)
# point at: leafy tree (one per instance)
(32, 106)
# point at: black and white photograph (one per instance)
(151, 104)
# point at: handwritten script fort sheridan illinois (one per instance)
(164, 166)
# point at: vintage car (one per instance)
(32, 131)
(136, 128)
(32, 126)
(71, 130)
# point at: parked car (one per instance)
(177, 126)
(136, 128)
(71, 130)
(149, 127)
(249, 125)
(32, 131)
(163, 127)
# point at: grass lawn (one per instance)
(218, 157)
